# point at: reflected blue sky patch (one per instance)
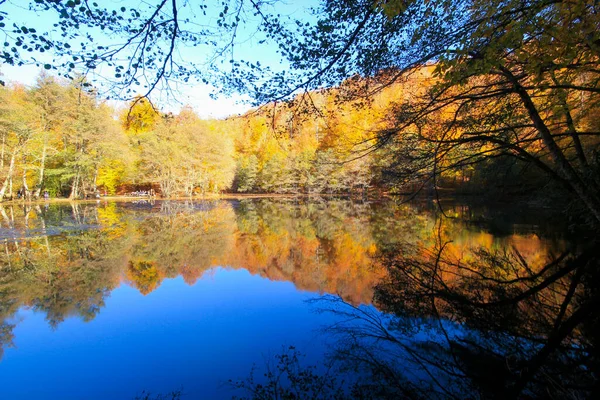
(179, 336)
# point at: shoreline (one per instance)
(448, 196)
(225, 196)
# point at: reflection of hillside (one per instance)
(64, 260)
(320, 248)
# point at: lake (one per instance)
(115, 299)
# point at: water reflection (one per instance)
(64, 260)
(497, 322)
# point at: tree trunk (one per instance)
(586, 194)
(40, 184)
(562, 96)
(8, 179)
(26, 192)
(42, 219)
(76, 214)
(2, 155)
(94, 183)
(5, 217)
(75, 187)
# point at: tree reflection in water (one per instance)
(488, 326)
(508, 320)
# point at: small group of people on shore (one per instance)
(143, 193)
(22, 193)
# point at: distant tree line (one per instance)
(57, 137)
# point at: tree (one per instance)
(49, 99)
(140, 117)
(88, 137)
(246, 172)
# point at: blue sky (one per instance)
(249, 46)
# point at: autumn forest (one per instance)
(59, 137)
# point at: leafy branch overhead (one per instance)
(133, 49)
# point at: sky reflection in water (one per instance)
(193, 337)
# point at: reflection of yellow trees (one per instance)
(530, 247)
(185, 241)
(463, 245)
(326, 247)
(108, 216)
(144, 275)
(68, 275)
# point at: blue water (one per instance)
(57, 261)
(193, 338)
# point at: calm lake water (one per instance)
(107, 300)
